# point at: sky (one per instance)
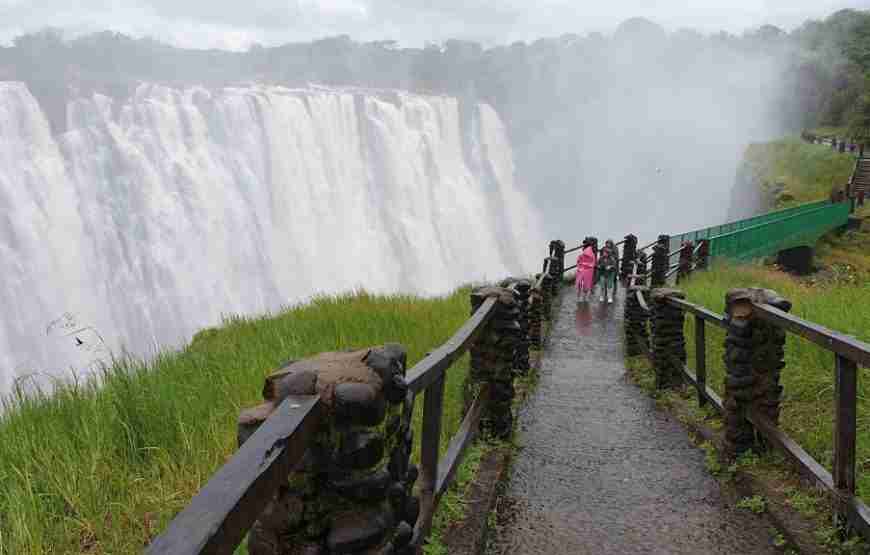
(235, 24)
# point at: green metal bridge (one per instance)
(770, 233)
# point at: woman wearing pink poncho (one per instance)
(586, 263)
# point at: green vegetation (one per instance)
(807, 408)
(804, 172)
(103, 469)
(756, 504)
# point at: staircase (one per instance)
(861, 177)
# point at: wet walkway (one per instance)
(601, 470)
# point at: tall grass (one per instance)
(808, 377)
(807, 171)
(103, 469)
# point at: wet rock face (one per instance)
(754, 358)
(353, 491)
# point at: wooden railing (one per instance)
(220, 515)
(849, 353)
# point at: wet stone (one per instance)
(360, 450)
(398, 497)
(302, 382)
(396, 389)
(387, 361)
(412, 474)
(358, 530)
(372, 487)
(404, 533)
(398, 464)
(358, 403)
(412, 510)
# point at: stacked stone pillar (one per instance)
(668, 342)
(703, 259)
(660, 261)
(557, 251)
(547, 289)
(521, 289)
(754, 358)
(635, 321)
(642, 265)
(556, 266)
(492, 360)
(353, 491)
(629, 255)
(685, 264)
(536, 317)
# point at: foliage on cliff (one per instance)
(790, 171)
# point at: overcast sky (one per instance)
(236, 24)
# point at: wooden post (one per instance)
(845, 393)
(701, 360)
(432, 405)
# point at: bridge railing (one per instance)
(799, 228)
(756, 323)
(731, 227)
(223, 512)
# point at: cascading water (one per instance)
(151, 217)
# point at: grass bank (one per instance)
(808, 378)
(805, 172)
(102, 470)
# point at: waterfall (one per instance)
(151, 217)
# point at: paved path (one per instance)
(601, 470)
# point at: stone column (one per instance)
(492, 360)
(642, 265)
(703, 259)
(629, 254)
(660, 261)
(669, 344)
(557, 251)
(536, 317)
(685, 267)
(521, 288)
(547, 297)
(556, 265)
(353, 491)
(754, 358)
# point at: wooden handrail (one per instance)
(850, 352)
(697, 310)
(218, 517)
(432, 367)
(448, 464)
(849, 347)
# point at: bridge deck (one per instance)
(601, 470)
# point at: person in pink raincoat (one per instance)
(586, 263)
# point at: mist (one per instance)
(649, 132)
(132, 166)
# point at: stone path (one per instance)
(602, 470)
